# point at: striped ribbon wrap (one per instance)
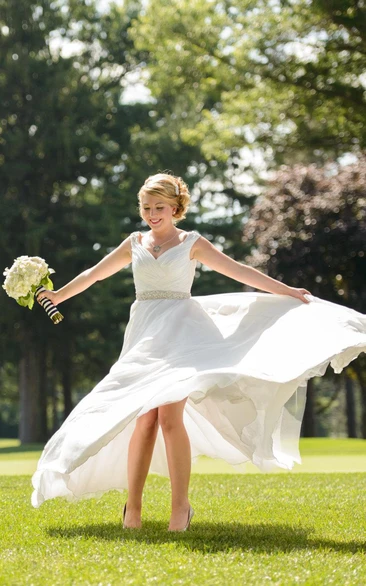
(51, 310)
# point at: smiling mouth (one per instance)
(155, 221)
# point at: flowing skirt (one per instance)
(242, 359)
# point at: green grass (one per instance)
(322, 446)
(318, 455)
(292, 529)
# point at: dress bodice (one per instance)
(173, 270)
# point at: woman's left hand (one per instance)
(299, 294)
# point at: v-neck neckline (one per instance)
(160, 255)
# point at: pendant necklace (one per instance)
(157, 247)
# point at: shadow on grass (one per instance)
(22, 448)
(212, 538)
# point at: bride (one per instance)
(212, 375)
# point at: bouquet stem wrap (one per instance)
(51, 310)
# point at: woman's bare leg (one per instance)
(140, 452)
(178, 451)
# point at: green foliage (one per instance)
(57, 155)
(309, 230)
(9, 415)
(59, 116)
(283, 76)
(246, 530)
(73, 155)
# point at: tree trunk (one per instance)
(66, 381)
(308, 424)
(30, 419)
(363, 399)
(363, 420)
(43, 390)
(350, 408)
(54, 402)
(360, 370)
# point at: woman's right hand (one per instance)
(51, 295)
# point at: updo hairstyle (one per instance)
(171, 189)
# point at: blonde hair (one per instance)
(171, 189)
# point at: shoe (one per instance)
(123, 519)
(190, 516)
(188, 524)
(123, 516)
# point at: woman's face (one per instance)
(156, 212)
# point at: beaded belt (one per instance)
(162, 295)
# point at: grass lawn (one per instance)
(318, 455)
(254, 529)
(284, 529)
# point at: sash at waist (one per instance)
(145, 295)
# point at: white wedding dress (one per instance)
(242, 359)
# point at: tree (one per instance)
(284, 76)
(73, 156)
(57, 166)
(309, 230)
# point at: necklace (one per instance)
(157, 247)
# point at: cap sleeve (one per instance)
(195, 235)
(134, 237)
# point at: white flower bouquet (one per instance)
(26, 278)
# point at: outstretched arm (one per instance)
(110, 264)
(206, 253)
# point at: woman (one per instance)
(222, 375)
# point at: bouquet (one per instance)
(28, 276)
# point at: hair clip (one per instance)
(177, 189)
